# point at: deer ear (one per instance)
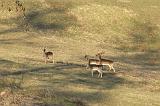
(85, 56)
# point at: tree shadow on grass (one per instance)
(11, 64)
(53, 19)
(74, 73)
(69, 98)
(12, 41)
(40, 69)
(59, 20)
(70, 74)
(10, 31)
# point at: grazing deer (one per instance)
(105, 62)
(47, 55)
(98, 68)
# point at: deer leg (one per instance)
(87, 66)
(101, 73)
(98, 74)
(113, 69)
(92, 73)
(110, 67)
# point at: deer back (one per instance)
(106, 61)
(94, 61)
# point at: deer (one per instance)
(91, 61)
(47, 55)
(95, 67)
(105, 62)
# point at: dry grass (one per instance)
(72, 29)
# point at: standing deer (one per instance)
(105, 62)
(47, 55)
(94, 65)
(98, 68)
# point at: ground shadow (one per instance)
(80, 75)
(58, 66)
(11, 64)
(74, 75)
(53, 19)
(75, 98)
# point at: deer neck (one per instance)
(100, 58)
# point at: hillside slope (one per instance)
(128, 31)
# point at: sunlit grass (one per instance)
(127, 30)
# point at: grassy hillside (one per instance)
(128, 31)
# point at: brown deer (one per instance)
(105, 62)
(91, 61)
(47, 55)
